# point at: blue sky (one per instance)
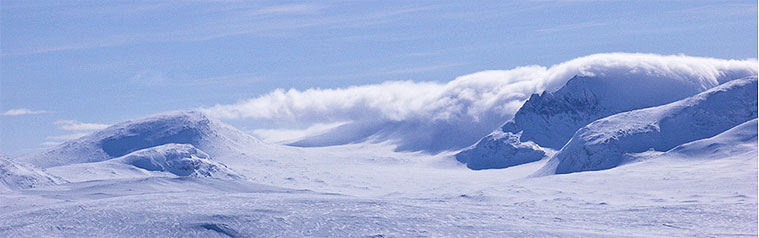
(69, 68)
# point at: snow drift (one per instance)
(604, 143)
(431, 116)
(181, 127)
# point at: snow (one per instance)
(178, 159)
(434, 117)
(738, 137)
(181, 127)
(185, 174)
(500, 150)
(551, 118)
(15, 175)
(604, 143)
(392, 194)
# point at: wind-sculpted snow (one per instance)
(434, 117)
(183, 127)
(500, 150)
(604, 143)
(14, 175)
(551, 118)
(178, 159)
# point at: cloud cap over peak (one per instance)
(434, 116)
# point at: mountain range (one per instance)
(190, 174)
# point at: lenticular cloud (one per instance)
(435, 117)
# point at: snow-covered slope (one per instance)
(658, 197)
(363, 190)
(741, 137)
(178, 159)
(550, 119)
(181, 127)
(14, 175)
(604, 143)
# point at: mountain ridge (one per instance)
(550, 119)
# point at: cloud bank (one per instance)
(434, 117)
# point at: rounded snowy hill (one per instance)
(181, 127)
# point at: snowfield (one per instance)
(185, 174)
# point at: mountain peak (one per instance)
(551, 118)
(181, 127)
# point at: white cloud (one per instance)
(71, 125)
(23, 111)
(471, 104)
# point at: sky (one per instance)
(72, 67)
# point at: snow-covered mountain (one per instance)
(183, 174)
(393, 194)
(604, 143)
(181, 127)
(551, 118)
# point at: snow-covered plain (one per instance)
(183, 174)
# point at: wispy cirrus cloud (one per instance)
(204, 22)
(23, 111)
(719, 10)
(286, 9)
